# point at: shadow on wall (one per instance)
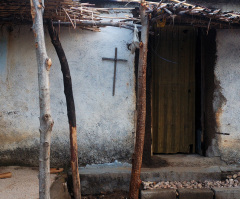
(212, 91)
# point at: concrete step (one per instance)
(215, 193)
(189, 160)
(159, 194)
(110, 179)
(195, 194)
(227, 193)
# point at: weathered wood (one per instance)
(5, 175)
(100, 24)
(46, 121)
(173, 90)
(70, 107)
(56, 170)
(141, 107)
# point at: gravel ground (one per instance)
(231, 181)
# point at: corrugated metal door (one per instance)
(173, 90)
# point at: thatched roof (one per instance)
(20, 10)
(176, 12)
(73, 12)
(65, 12)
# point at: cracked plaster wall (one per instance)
(105, 123)
(226, 102)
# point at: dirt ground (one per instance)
(22, 185)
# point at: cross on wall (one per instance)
(115, 59)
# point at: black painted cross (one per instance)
(115, 59)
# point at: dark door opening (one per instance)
(173, 88)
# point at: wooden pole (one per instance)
(100, 24)
(70, 108)
(46, 121)
(141, 107)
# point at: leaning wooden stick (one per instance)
(70, 108)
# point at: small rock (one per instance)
(235, 176)
(179, 185)
(229, 176)
(199, 186)
(174, 187)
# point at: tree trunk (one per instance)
(46, 122)
(141, 107)
(70, 108)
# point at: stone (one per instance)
(235, 176)
(227, 193)
(159, 194)
(199, 186)
(195, 194)
(179, 185)
(59, 189)
(229, 176)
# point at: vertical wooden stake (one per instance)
(141, 107)
(46, 122)
(70, 108)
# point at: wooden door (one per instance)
(173, 90)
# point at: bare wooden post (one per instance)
(70, 108)
(141, 106)
(46, 121)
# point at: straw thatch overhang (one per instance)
(181, 12)
(64, 12)
(19, 11)
(172, 12)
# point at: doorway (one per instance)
(173, 89)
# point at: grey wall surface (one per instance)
(105, 123)
(226, 102)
